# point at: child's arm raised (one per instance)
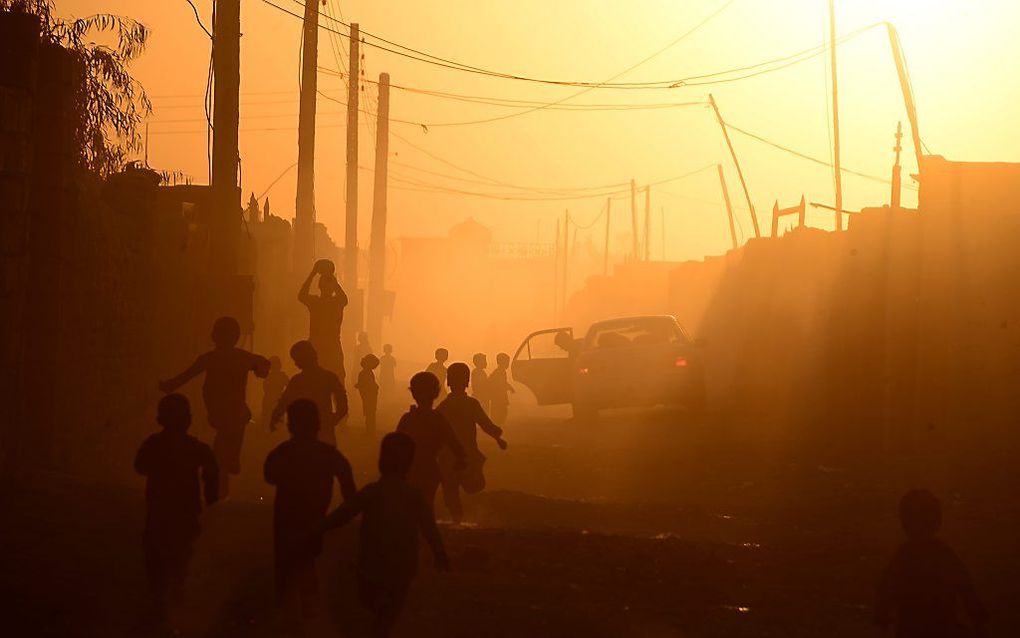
(304, 295)
(195, 369)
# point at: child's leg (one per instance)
(227, 448)
(155, 571)
(371, 405)
(499, 412)
(451, 497)
(307, 584)
(385, 603)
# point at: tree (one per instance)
(110, 103)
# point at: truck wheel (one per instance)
(585, 413)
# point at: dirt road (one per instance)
(643, 525)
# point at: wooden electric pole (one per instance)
(835, 117)
(304, 210)
(566, 256)
(729, 206)
(648, 223)
(377, 249)
(556, 274)
(225, 221)
(635, 251)
(605, 257)
(897, 179)
(355, 314)
(736, 163)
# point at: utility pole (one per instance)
(662, 215)
(377, 249)
(304, 210)
(908, 93)
(894, 199)
(736, 163)
(566, 255)
(556, 275)
(351, 227)
(225, 223)
(835, 117)
(648, 223)
(605, 257)
(729, 206)
(635, 251)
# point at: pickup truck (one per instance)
(625, 362)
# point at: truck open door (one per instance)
(545, 364)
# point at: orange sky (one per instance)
(961, 53)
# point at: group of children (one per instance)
(431, 446)
(491, 390)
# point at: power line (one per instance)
(809, 158)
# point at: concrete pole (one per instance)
(605, 257)
(835, 117)
(377, 249)
(729, 206)
(225, 226)
(304, 210)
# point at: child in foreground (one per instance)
(303, 470)
(172, 463)
(926, 582)
(465, 415)
(393, 514)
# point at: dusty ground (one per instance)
(645, 524)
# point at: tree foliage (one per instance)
(110, 103)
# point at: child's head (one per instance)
(396, 454)
(174, 412)
(503, 360)
(369, 362)
(303, 419)
(458, 376)
(920, 513)
(226, 332)
(480, 361)
(387, 348)
(304, 355)
(424, 388)
(275, 364)
(442, 354)
(328, 285)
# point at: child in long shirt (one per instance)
(393, 515)
(321, 386)
(224, 391)
(926, 582)
(480, 380)
(430, 433)
(465, 415)
(303, 470)
(438, 368)
(368, 389)
(500, 389)
(172, 463)
(272, 388)
(387, 372)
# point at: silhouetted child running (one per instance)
(272, 389)
(368, 389)
(925, 583)
(387, 372)
(393, 514)
(303, 470)
(173, 462)
(224, 392)
(430, 433)
(438, 369)
(465, 415)
(480, 380)
(500, 389)
(321, 386)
